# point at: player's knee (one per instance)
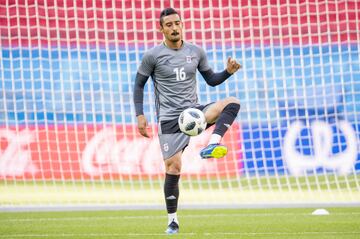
(233, 100)
(173, 167)
(233, 105)
(232, 109)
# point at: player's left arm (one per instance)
(232, 65)
(214, 79)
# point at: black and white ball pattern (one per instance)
(192, 122)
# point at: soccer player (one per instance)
(172, 66)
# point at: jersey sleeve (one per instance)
(147, 64)
(203, 62)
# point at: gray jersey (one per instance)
(174, 76)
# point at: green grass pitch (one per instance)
(230, 223)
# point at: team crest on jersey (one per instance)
(188, 59)
(166, 147)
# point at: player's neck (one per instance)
(174, 45)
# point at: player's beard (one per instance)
(175, 38)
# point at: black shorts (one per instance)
(172, 140)
(172, 126)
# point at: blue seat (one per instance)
(313, 103)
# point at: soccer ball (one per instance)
(192, 122)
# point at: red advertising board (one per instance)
(74, 152)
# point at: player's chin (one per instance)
(175, 38)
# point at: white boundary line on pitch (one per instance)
(161, 217)
(185, 234)
(128, 207)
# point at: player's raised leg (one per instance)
(223, 113)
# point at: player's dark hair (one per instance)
(166, 12)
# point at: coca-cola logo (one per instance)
(105, 153)
(15, 155)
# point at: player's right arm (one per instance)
(145, 70)
(140, 81)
